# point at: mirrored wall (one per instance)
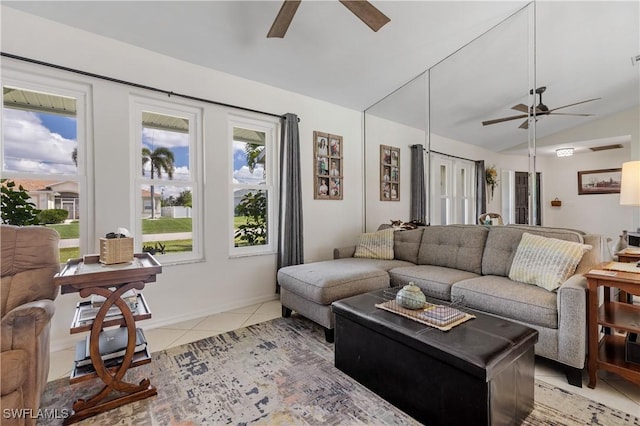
(497, 99)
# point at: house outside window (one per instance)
(168, 148)
(252, 189)
(45, 149)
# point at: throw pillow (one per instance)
(375, 245)
(545, 262)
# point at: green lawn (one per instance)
(66, 231)
(174, 246)
(69, 253)
(164, 225)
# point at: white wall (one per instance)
(593, 213)
(219, 283)
(596, 213)
(380, 131)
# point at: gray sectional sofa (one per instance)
(468, 263)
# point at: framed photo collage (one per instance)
(328, 166)
(389, 173)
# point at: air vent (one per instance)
(606, 147)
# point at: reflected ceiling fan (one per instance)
(540, 110)
(364, 10)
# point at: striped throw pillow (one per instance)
(546, 262)
(375, 245)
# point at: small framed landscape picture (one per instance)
(604, 181)
(389, 173)
(328, 166)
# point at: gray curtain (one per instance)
(290, 238)
(481, 189)
(418, 192)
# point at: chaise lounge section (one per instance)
(467, 263)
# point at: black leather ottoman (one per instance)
(480, 372)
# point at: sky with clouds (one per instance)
(31, 146)
(177, 142)
(44, 143)
(241, 173)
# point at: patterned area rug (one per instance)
(280, 373)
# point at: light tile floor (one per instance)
(611, 389)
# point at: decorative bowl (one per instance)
(411, 297)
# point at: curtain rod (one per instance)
(137, 85)
(453, 156)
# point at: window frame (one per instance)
(194, 115)
(455, 191)
(271, 129)
(23, 77)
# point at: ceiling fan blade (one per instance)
(524, 125)
(521, 108)
(567, 113)
(283, 19)
(500, 120)
(577, 103)
(367, 13)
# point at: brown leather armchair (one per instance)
(29, 259)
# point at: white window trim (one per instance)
(138, 104)
(453, 196)
(25, 76)
(271, 128)
(468, 195)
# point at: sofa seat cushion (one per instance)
(510, 299)
(328, 281)
(434, 281)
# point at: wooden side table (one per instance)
(627, 257)
(608, 353)
(624, 256)
(87, 276)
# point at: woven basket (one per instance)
(116, 250)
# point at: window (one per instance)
(44, 150)
(167, 194)
(453, 190)
(253, 180)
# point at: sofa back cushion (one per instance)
(546, 262)
(453, 246)
(407, 244)
(503, 242)
(375, 245)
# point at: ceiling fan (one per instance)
(540, 110)
(364, 10)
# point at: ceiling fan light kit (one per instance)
(564, 152)
(364, 10)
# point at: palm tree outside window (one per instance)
(160, 160)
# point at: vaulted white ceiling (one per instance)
(584, 51)
(327, 53)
